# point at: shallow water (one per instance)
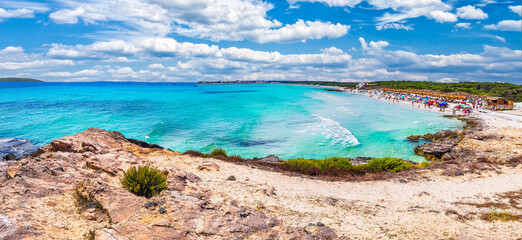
(249, 120)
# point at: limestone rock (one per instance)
(10, 228)
(208, 167)
(119, 203)
(438, 148)
(86, 168)
(269, 159)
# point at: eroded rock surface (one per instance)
(70, 190)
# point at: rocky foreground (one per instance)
(70, 189)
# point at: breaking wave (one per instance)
(335, 132)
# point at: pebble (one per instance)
(231, 178)
(162, 210)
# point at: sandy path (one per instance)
(424, 209)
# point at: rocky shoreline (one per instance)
(70, 189)
(475, 143)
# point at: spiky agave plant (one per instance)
(144, 181)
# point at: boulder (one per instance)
(437, 148)
(414, 138)
(9, 157)
(208, 167)
(269, 159)
(144, 144)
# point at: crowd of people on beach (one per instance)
(464, 106)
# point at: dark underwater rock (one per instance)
(9, 157)
(17, 147)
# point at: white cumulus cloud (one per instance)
(506, 25)
(67, 16)
(231, 20)
(463, 25)
(470, 12)
(16, 13)
(156, 66)
(300, 31)
(442, 17)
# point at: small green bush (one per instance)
(235, 158)
(144, 181)
(304, 166)
(333, 166)
(194, 153)
(499, 215)
(218, 152)
(387, 164)
(423, 164)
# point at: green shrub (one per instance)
(304, 166)
(335, 166)
(218, 152)
(387, 164)
(235, 158)
(499, 215)
(423, 164)
(194, 153)
(144, 181)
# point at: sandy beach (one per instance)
(493, 119)
(434, 208)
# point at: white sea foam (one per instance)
(6, 140)
(335, 132)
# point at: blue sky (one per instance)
(325, 40)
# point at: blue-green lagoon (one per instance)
(249, 120)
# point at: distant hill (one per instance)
(11, 79)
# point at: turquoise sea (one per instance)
(248, 120)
